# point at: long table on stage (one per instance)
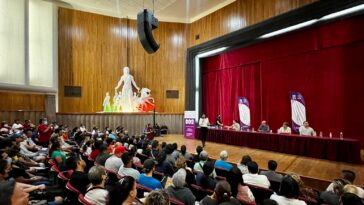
(345, 150)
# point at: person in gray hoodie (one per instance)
(178, 190)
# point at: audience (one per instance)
(350, 177)
(205, 179)
(114, 162)
(159, 197)
(164, 165)
(199, 149)
(178, 189)
(12, 194)
(222, 195)
(126, 169)
(306, 193)
(97, 194)
(181, 164)
(103, 155)
(288, 192)
(242, 165)
(185, 154)
(123, 193)
(146, 179)
(79, 179)
(254, 178)
(238, 189)
(222, 163)
(332, 197)
(350, 199)
(271, 173)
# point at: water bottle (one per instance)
(271, 131)
(253, 129)
(321, 135)
(341, 135)
(330, 135)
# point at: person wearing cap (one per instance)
(178, 189)
(147, 179)
(114, 162)
(222, 163)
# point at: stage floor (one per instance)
(304, 166)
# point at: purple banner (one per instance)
(298, 110)
(244, 112)
(189, 124)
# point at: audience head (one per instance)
(245, 159)
(159, 197)
(75, 162)
(298, 180)
(127, 159)
(183, 149)
(269, 202)
(155, 144)
(338, 186)
(252, 167)
(175, 146)
(348, 175)
(148, 166)
(5, 168)
(181, 162)
(119, 151)
(272, 165)
(349, 188)
(203, 156)
(350, 199)
(222, 191)
(169, 149)
(12, 193)
(208, 168)
(179, 178)
(164, 144)
(97, 175)
(104, 149)
(161, 157)
(199, 149)
(224, 155)
(122, 191)
(235, 178)
(289, 187)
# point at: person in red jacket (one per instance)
(45, 131)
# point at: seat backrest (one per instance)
(141, 190)
(158, 175)
(62, 176)
(54, 168)
(260, 193)
(174, 201)
(142, 157)
(200, 192)
(222, 172)
(83, 201)
(72, 188)
(274, 185)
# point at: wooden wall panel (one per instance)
(238, 15)
(13, 101)
(33, 116)
(134, 123)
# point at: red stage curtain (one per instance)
(324, 63)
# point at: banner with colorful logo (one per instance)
(189, 124)
(244, 112)
(298, 110)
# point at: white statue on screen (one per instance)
(115, 102)
(119, 106)
(106, 103)
(127, 90)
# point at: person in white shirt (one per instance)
(349, 176)
(17, 127)
(253, 178)
(288, 192)
(306, 129)
(114, 162)
(235, 126)
(127, 169)
(285, 129)
(97, 194)
(203, 123)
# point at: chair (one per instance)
(141, 190)
(158, 175)
(51, 162)
(139, 167)
(274, 185)
(309, 201)
(142, 157)
(218, 178)
(72, 195)
(260, 193)
(174, 201)
(84, 201)
(222, 172)
(112, 177)
(200, 192)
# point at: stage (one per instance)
(316, 171)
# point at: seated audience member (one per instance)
(79, 179)
(333, 197)
(222, 163)
(163, 165)
(271, 173)
(269, 202)
(17, 126)
(96, 150)
(12, 194)
(178, 189)
(238, 189)
(242, 165)
(123, 193)
(159, 197)
(146, 179)
(264, 127)
(289, 192)
(175, 152)
(155, 149)
(205, 179)
(349, 176)
(28, 126)
(254, 178)
(235, 126)
(305, 129)
(350, 199)
(103, 155)
(59, 156)
(26, 149)
(306, 193)
(185, 154)
(222, 195)
(181, 164)
(198, 167)
(114, 162)
(169, 150)
(199, 149)
(97, 194)
(285, 129)
(126, 169)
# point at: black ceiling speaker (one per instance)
(146, 23)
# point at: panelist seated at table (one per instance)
(305, 129)
(219, 121)
(264, 127)
(235, 126)
(285, 129)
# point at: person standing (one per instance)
(203, 123)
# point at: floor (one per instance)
(304, 166)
